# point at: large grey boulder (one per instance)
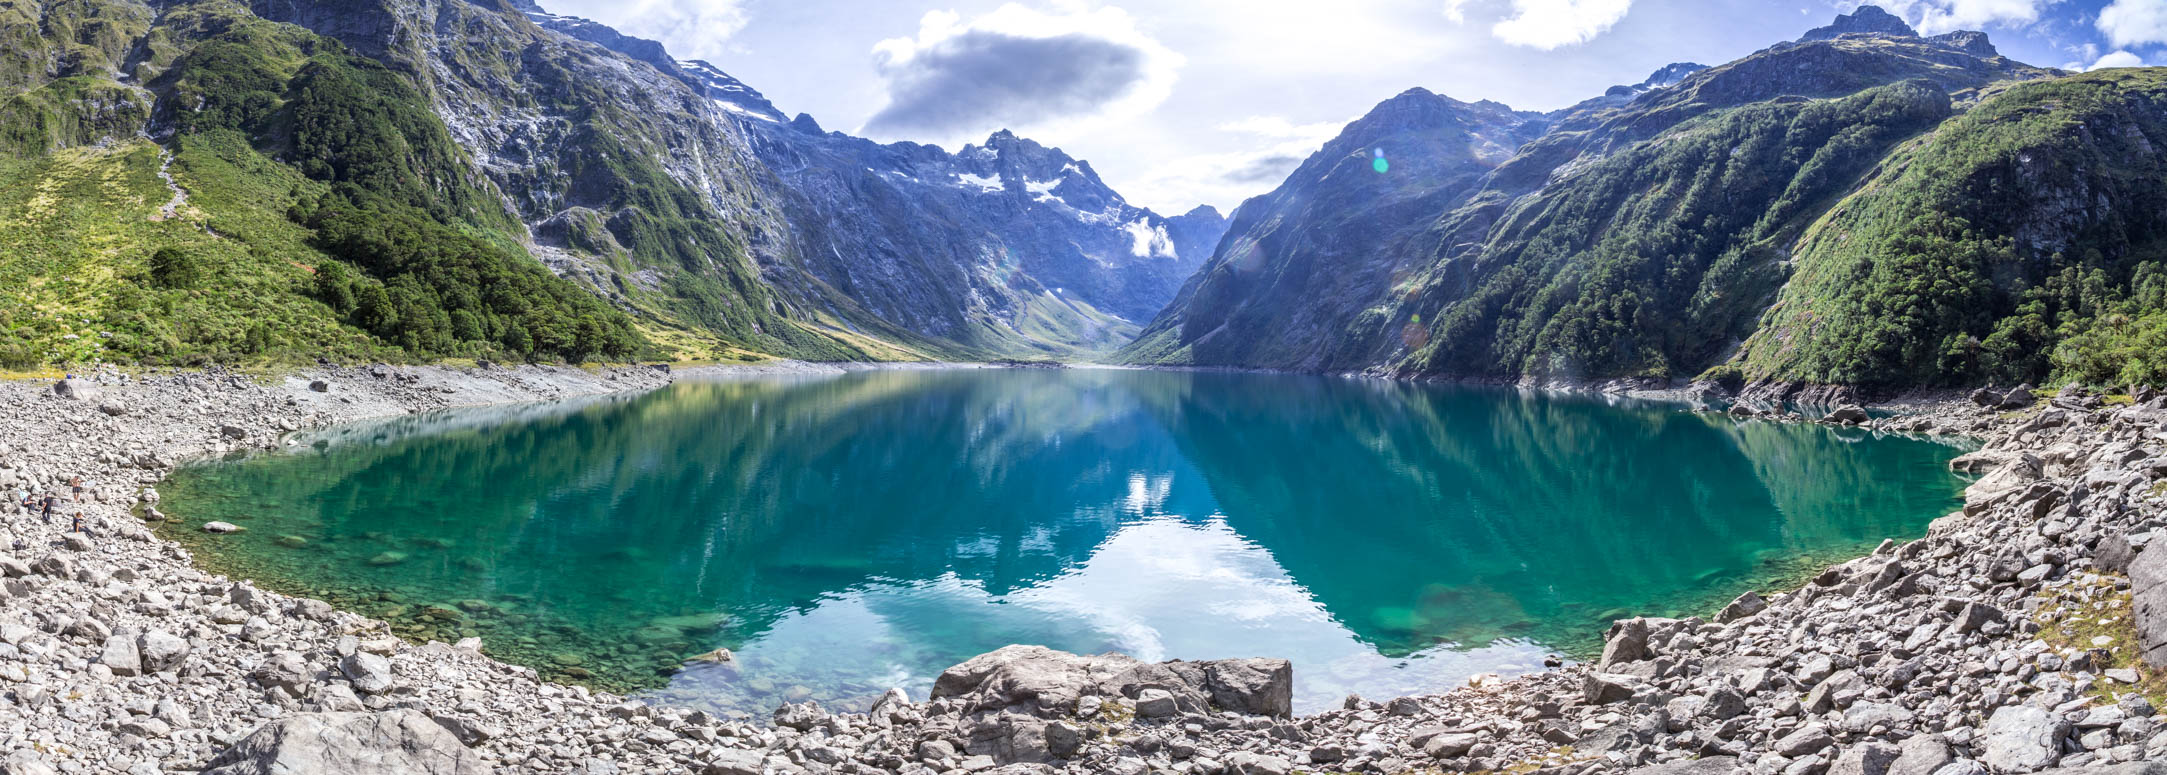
(1922, 755)
(80, 390)
(1867, 758)
(1743, 607)
(2148, 589)
(1848, 415)
(120, 654)
(2015, 474)
(1045, 682)
(2023, 738)
(395, 742)
(161, 651)
(1627, 641)
(370, 673)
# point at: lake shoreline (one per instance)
(258, 659)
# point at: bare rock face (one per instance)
(397, 742)
(2148, 590)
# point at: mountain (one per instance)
(1009, 249)
(1861, 206)
(214, 181)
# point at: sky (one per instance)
(1183, 102)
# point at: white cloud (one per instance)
(1257, 154)
(1019, 68)
(1934, 17)
(1456, 10)
(1548, 24)
(692, 29)
(2134, 22)
(2117, 59)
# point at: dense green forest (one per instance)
(1649, 262)
(2025, 240)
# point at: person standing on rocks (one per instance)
(77, 484)
(51, 500)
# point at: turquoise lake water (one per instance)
(846, 534)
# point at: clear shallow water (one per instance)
(847, 534)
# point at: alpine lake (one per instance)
(844, 534)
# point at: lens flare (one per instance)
(1379, 164)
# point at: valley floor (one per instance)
(2002, 641)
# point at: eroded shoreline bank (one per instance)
(251, 658)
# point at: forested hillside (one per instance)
(1864, 206)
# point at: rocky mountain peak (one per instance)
(1868, 19)
(1671, 74)
(730, 93)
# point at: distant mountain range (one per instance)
(213, 181)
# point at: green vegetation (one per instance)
(1652, 261)
(2092, 615)
(2020, 242)
(369, 238)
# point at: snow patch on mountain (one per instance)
(1147, 240)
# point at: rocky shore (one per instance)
(2005, 641)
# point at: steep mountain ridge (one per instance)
(1650, 231)
(1000, 250)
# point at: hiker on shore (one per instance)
(77, 484)
(77, 526)
(52, 501)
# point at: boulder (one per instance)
(802, 716)
(2023, 738)
(319, 386)
(1866, 758)
(1627, 641)
(735, 761)
(1045, 682)
(2019, 398)
(1744, 606)
(1922, 755)
(1848, 415)
(1256, 687)
(369, 673)
(285, 670)
(2014, 475)
(1606, 688)
(120, 655)
(1008, 738)
(1248, 763)
(112, 408)
(161, 651)
(221, 527)
(394, 742)
(2115, 553)
(1156, 703)
(79, 390)
(1808, 739)
(2148, 590)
